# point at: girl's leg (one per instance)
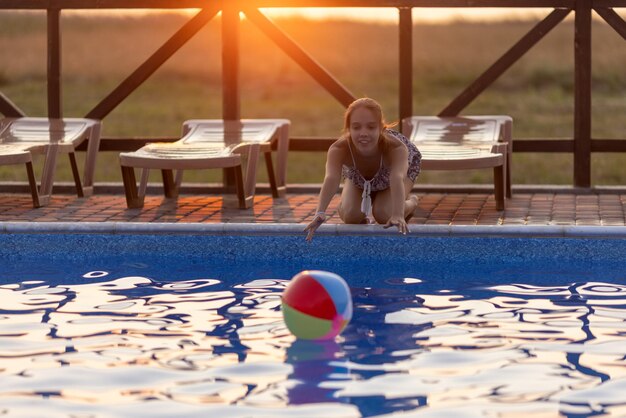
(381, 205)
(350, 205)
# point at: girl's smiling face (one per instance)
(365, 130)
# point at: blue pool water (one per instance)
(189, 324)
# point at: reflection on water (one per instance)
(130, 346)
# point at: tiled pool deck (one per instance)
(539, 206)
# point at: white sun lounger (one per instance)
(212, 143)
(22, 137)
(463, 143)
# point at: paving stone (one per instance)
(433, 208)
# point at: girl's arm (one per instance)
(399, 165)
(332, 178)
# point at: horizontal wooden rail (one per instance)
(321, 144)
(609, 3)
(541, 145)
(608, 145)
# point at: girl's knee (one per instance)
(381, 214)
(351, 215)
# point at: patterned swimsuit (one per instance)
(380, 181)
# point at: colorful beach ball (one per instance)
(317, 305)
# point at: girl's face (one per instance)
(365, 130)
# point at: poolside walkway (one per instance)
(528, 207)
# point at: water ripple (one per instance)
(198, 347)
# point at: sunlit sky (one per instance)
(376, 14)
(389, 14)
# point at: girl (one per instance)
(380, 167)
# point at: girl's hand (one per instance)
(403, 228)
(318, 219)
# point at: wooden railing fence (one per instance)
(581, 145)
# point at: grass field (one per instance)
(100, 51)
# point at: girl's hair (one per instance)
(367, 103)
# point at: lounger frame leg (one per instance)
(237, 175)
(281, 171)
(133, 199)
(251, 169)
(47, 177)
(32, 182)
(509, 193)
(500, 179)
(178, 178)
(76, 174)
(508, 135)
(143, 181)
(170, 188)
(93, 147)
(270, 174)
(499, 186)
(228, 180)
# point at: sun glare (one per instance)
(390, 14)
(367, 14)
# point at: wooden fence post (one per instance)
(230, 63)
(231, 109)
(405, 26)
(54, 64)
(582, 94)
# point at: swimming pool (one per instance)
(184, 320)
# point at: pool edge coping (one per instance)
(278, 229)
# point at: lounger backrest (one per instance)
(41, 130)
(455, 130)
(228, 132)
